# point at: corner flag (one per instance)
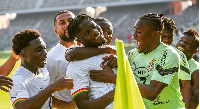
(127, 94)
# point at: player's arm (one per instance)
(195, 84)
(83, 102)
(37, 101)
(195, 90)
(186, 92)
(80, 53)
(152, 90)
(7, 67)
(60, 104)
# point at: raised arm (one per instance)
(7, 67)
(37, 101)
(80, 53)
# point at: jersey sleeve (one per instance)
(19, 92)
(193, 65)
(184, 73)
(166, 67)
(80, 76)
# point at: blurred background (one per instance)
(16, 15)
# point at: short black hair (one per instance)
(102, 19)
(193, 33)
(61, 12)
(73, 27)
(154, 19)
(169, 24)
(23, 39)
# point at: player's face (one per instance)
(61, 24)
(143, 35)
(107, 31)
(167, 36)
(186, 45)
(90, 34)
(36, 53)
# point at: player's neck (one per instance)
(31, 69)
(67, 44)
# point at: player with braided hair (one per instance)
(189, 44)
(155, 65)
(167, 37)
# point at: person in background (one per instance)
(167, 37)
(56, 62)
(189, 44)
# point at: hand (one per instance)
(106, 75)
(5, 81)
(63, 83)
(14, 55)
(111, 61)
(112, 51)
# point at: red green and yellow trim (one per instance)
(18, 100)
(79, 92)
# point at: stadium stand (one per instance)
(122, 17)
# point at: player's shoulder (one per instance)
(20, 75)
(192, 62)
(59, 49)
(171, 51)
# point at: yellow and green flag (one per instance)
(127, 94)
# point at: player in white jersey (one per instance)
(31, 88)
(86, 52)
(56, 62)
(28, 85)
(189, 44)
(75, 53)
(88, 93)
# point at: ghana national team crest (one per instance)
(151, 64)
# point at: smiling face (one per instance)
(186, 45)
(143, 34)
(107, 31)
(90, 34)
(167, 36)
(61, 24)
(36, 54)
